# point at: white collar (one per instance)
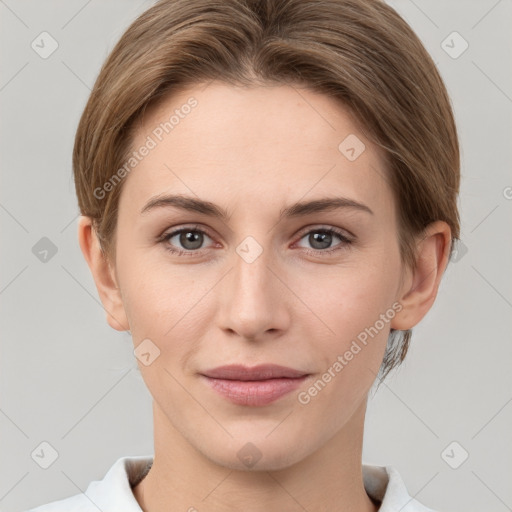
(114, 492)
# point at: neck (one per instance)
(183, 479)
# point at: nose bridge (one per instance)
(252, 302)
(252, 276)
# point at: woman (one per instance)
(268, 194)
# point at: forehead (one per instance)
(249, 143)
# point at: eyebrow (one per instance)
(299, 209)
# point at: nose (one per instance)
(254, 300)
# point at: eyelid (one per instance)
(192, 227)
(346, 242)
(171, 232)
(347, 239)
(319, 227)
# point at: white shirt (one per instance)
(114, 492)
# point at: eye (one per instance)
(321, 240)
(189, 238)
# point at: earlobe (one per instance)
(103, 274)
(420, 288)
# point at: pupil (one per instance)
(323, 238)
(191, 240)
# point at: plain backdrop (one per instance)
(69, 380)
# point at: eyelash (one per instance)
(346, 242)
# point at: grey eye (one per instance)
(188, 239)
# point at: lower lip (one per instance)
(254, 392)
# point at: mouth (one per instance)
(256, 386)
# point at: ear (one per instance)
(419, 290)
(103, 274)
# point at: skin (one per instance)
(254, 151)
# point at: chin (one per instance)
(256, 453)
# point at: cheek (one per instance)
(350, 298)
(357, 306)
(163, 301)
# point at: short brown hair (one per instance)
(360, 52)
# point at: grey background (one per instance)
(68, 379)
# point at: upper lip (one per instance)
(260, 372)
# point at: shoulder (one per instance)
(385, 484)
(113, 492)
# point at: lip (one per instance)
(260, 372)
(256, 386)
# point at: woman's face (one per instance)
(266, 284)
